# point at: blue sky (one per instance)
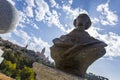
(40, 21)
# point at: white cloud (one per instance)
(41, 9)
(54, 4)
(70, 2)
(53, 19)
(112, 39)
(66, 2)
(22, 19)
(22, 16)
(23, 35)
(43, 13)
(107, 17)
(29, 8)
(95, 20)
(73, 13)
(29, 11)
(30, 3)
(35, 26)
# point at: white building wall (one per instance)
(1, 58)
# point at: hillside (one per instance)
(18, 60)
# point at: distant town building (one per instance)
(1, 58)
(26, 46)
(41, 55)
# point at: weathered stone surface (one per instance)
(47, 73)
(75, 52)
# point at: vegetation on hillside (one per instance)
(17, 66)
(18, 61)
(91, 76)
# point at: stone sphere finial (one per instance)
(82, 22)
(8, 17)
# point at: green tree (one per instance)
(27, 74)
(17, 74)
(16, 64)
(7, 67)
(9, 55)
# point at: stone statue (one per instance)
(73, 53)
(82, 22)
